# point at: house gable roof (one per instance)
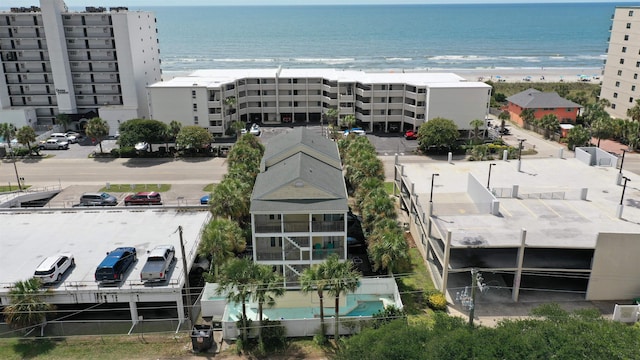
(535, 99)
(299, 183)
(302, 140)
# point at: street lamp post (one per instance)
(520, 153)
(624, 187)
(489, 177)
(433, 177)
(619, 180)
(15, 167)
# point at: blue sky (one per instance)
(138, 3)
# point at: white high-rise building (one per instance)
(620, 83)
(96, 62)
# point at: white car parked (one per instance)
(54, 144)
(71, 139)
(52, 268)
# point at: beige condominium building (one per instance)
(620, 84)
(96, 62)
(380, 101)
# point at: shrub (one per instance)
(273, 336)
(437, 301)
(125, 152)
(387, 315)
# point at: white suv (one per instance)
(54, 144)
(52, 268)
(70, 138)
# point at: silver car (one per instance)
(54, 144)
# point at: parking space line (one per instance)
(549, 207)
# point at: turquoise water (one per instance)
(356, 305)
(445, 36)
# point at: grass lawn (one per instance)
(6, 188)
(136, 187)
(388, 187)
(414, 282)
(165, 346)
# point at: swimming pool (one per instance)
(355, 305)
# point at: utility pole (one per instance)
(469, 301)
(187, 286)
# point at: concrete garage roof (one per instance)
(555, 223)
(30, 236)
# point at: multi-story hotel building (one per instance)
(388, 102)
(96, 62)
(620, 84)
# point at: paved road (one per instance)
(66, 172)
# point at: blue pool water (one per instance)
(356, 305)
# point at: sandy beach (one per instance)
(531, 74)
(592, 75)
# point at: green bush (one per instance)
(124, 152)
(274, 336)
(437, 301)
(21, 151)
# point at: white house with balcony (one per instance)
(299, 204)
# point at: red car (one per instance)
(143, 198)
(411, 135)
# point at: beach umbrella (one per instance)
(498, 76)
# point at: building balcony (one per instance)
(276, 226)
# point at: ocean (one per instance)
(372, 37)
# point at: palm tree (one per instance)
(476, 124)
(26, 135)
(237, 279)
(387, 248)
(230, 102)
(375, 207)
(221, 239)
(343, 280)
(7, 131)
(64, 120)
(528, 115)
(97, 129)
(171, 132)
(237, 127)
(316, 278)
(27, 306)
(231, 199)
(348, 121)
(602, 128)
(549, 123)
(268, 286)
(332, 116)
(634, 112)
(504, 117)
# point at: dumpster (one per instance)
(201, 337)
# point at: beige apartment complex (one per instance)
(620, 84)
(383, 101)
(96, 62)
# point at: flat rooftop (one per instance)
(548, 205)
(29, 236)
(214, 78)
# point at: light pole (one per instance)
(15, 167)
(624, 187)
(489, 177)
(433, 177)
(520, 153)
(619, 180)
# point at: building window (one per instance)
(630, 12)
(195, 107)
(624, 49)
(635, 76)
(628, 25)
(637, 63)
(619, 72)
(613, 106)
(621, 61)
(626, 37)
(615, 95)
(630, 99)
(633, 88)
(195, 120)
(193, 94)
(617, 83)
